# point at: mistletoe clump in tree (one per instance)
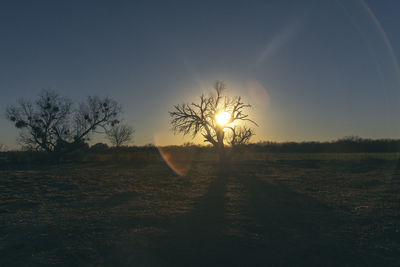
(51, 124)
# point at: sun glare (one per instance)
(222, 118)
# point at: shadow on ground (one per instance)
(292, 230)
(273, 225)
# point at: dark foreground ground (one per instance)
(267, 210)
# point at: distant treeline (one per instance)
(347, 144)
(344, 145)
(150, 152)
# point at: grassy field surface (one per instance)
(262, 209)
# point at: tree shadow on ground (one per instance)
(292, 229)
(295, 230)
(197, 238)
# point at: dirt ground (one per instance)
(267, 210)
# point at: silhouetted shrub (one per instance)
(99, 147)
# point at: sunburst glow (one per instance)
(222, 118)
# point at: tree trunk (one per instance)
(220, 145)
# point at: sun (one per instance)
(222, 118)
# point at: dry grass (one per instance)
(108, 213)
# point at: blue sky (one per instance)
(322, 69)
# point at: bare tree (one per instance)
(50, 123)
(240, 135)
(212, 117)
(95, 115)
(120, 134)
(42, 122)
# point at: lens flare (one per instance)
(178, 158)
(258, 94)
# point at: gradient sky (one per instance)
(313, 70)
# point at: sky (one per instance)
(312, 70)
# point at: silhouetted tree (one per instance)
(43, 122)
(204, 118)
(240, 135)
(120, 134)
(50, 123)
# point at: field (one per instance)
(262, 209)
